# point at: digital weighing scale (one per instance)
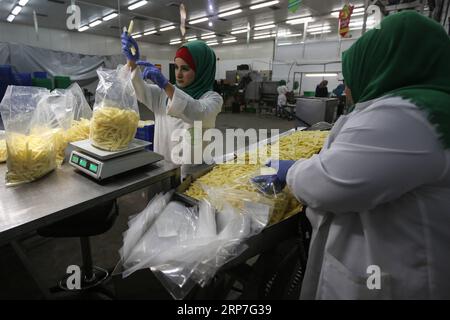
(101, 164)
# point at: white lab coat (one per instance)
(282, 100)
(178, 113)
(377, 194)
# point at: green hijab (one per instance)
(205, 68)
(409, 57)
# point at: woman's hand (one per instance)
(127, 43)
(153, 73)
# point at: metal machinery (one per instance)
(314, 110)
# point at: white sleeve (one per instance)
(188, 109)
(149, 94)
(379, 155)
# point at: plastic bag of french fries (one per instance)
(30, 143)
(55, 113)
(116, 113)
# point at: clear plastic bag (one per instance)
(29, 140)
(185, 246)
(116, 113)
(81, 114)
(138, 224)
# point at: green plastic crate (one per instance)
(250, 110)
(43, 83)
(309, 93)
(62, 82)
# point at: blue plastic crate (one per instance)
(22, 79)
(40, 75)
(146, 133)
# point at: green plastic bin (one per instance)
(62, 82)
(43, 83)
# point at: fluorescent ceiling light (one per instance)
(198, 20)
(209, 37)
(269, 26)
(300, 20)
(313, 75)
(137, 4)
(16, 10)
(175, 42)
(23, 2)
(212, 44)
(292, 35)
(320, 32)
(239, 31)
(210, 24)
(319, 29)
(285, 44)
(167, 28)
(191, 39)
(138, 35)
(110, 16)
(95, 23)
(83, 28)
(10, 18)
(263, 4)
(229, 13)
(229, 41)
(146, 33)
(208, 34)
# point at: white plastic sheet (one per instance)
(185, 246)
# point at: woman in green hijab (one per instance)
(378, 194)
(177, 107)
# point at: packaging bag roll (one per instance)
(116, 113)
(29, 142)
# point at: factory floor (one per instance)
(49, 257)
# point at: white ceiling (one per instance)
(158, 13)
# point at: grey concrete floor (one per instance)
(50, 257)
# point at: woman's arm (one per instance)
(148, 94)
(183, 106)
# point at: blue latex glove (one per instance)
(153, 73)
(127, 43)
(268, 184)
(282, 166)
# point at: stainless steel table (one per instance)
(64, 192)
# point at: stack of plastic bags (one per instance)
(185, 246)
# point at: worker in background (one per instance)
(322, 89)
(177, 107)
(282, 90)
(338, 92)
(378, 194)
